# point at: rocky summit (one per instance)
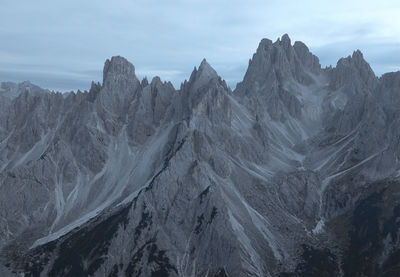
(293, 173)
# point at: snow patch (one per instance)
(319, 228)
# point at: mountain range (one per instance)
(293, 173)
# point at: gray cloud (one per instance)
(63, 45)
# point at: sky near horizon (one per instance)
(62, 45)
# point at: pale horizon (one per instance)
(63, 47)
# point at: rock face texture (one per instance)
(294, 173)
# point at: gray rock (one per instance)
(140, 179)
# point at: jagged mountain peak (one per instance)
(392, 76)
(118, 64)
(157, 82)
(352, 68)
(116, 69)
(203, 75)
(120, 86)
(285, 38)
(285, 41)
(278, 62)
(358, 55)
(356, 59)
(144, 83)
(264, 42)
(206, 69)
(205, 94)
(309, 60)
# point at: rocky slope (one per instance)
(294, 173)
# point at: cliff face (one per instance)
(294, 173)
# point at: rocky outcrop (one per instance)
(294, 173)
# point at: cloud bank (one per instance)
(62, 45)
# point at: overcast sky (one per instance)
(62, 45)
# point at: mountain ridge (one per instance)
(205, 180)
(299, 45)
